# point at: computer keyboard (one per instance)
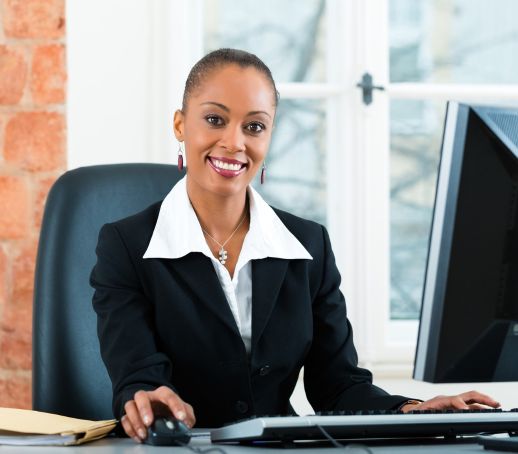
(369, 424)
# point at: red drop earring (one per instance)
(180, 157)
(263, 173)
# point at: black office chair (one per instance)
(69, 377)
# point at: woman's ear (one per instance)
(178, 125)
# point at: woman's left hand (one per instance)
(472, 400)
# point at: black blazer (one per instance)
(167, 322)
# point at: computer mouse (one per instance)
(167, 431)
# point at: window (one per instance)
(439, 50)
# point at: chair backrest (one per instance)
(69, 376)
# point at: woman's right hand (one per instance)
(146, 405)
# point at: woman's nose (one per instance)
(233, 139)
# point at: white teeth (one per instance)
(226, 165)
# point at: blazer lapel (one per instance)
(267, 277)
(198, 273)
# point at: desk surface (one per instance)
(126, 446)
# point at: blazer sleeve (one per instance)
(332, 378)
(125, 322)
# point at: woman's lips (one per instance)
(227, 168)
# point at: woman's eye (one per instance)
(214, 120)
(255, 127)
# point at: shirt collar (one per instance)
(177, 231)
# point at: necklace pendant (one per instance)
(222, 256)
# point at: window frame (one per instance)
(391, 348)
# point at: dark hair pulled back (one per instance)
(223, 57)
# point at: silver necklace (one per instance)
(223, 253)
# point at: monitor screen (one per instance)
(469, 317)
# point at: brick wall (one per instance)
(32, 156)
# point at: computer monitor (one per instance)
(469, 316)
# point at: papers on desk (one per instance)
(31, 428)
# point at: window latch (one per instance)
(367, 88)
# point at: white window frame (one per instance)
(389, 345)
(358, 173)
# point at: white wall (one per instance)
(505, 393)
(127, 61)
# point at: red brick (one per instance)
(13, 71)
(16, 336)
(24, 263)
(41, 197)
(3, 280)
(15, 392)
(2, 127)
(16, 322)
(16, 352)
(48, 75)
(35, 141)
(15, 207)
(34, 18)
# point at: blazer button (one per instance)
(265, 370)
(241, 406)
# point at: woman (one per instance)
(210, 302)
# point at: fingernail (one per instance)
(146, 420)
(180, 415)
(141, 433)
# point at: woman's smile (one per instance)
(228, 168)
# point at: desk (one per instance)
(126, 446)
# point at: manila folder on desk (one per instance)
(27, 427)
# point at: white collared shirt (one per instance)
(178, 233)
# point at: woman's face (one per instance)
(227, 127)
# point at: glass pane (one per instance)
(454, 41)
(293, 48)
(415, 141)
(296, 175)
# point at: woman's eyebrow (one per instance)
(221, 106)
(226, 109)
(255, 112)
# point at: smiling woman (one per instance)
(196, 294)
